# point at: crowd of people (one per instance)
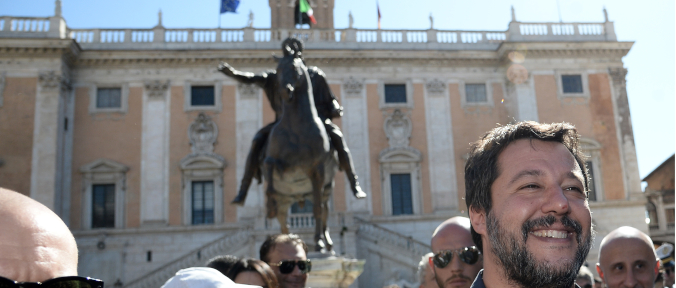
(529, 225)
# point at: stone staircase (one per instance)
(391, 257)
(228, 244)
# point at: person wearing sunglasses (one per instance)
(456, 261)
(627, 259)
(287, 256)
(36, 248)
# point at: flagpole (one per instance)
(300, 16)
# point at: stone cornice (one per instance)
(566, 49)
(28, 47)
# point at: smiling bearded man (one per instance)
(527, 188)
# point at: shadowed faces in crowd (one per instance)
(35, 245)
(627, 259)
(452, 241)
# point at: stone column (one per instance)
(155, 154)
(521, 99)
(44, 162)
(443, 179)
(249, 117)
(355, 129)
(626, 133)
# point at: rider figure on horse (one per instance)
(327, 108)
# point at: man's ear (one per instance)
(598, 269)
(478, 219)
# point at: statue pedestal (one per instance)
(329, 271)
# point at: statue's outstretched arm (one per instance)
(242, 77)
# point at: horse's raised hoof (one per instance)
(358, 193)
(239, 200)
(320, 247)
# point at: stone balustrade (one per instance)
(253, 38)
(300, 220)
(379, 233)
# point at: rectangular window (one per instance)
(108, 97)
(202, 202)
(571, 83)
(395, 93)
(202, 96)
(402, 202)
(475, 93)
(592, 187)
(307, 207)
(103, 206)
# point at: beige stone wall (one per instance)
(662, 178)
(17, 116)
(469, 125)
(605, 132)
(179, 148)
(114, 136)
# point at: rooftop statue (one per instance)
(299, 153)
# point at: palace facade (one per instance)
(136, 140)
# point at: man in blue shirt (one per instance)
(526, 192)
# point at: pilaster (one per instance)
(45, 184)
(155, 154)
(626, 133)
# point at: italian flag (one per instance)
(305, 8)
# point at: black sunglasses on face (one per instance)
(286, 266)
(468, 255)
(60, 282)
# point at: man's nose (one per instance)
(456, 264)
(555, 201)
(630, 279)
(296, 271)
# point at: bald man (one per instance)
(35, 245)
(627, 259)
(456, 260)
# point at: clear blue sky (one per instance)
(650, 23)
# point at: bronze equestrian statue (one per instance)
(325, 108)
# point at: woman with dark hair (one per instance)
(253, 272)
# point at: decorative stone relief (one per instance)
(353, 86)
(619, 76)
(247, 91)
(50, 80)
(156, 88)
(398, 129)
(435, 86)
(202, 134)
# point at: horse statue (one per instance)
(299, 162)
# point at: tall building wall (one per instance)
(17, 114)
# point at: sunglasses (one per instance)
(60, 282)
(468, 255)
(286, 266)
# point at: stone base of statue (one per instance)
(330, 271)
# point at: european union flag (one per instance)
(229, 6)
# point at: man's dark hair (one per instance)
(275, 239)
(222, 263)
(482, 169)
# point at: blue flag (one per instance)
(229, 6)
